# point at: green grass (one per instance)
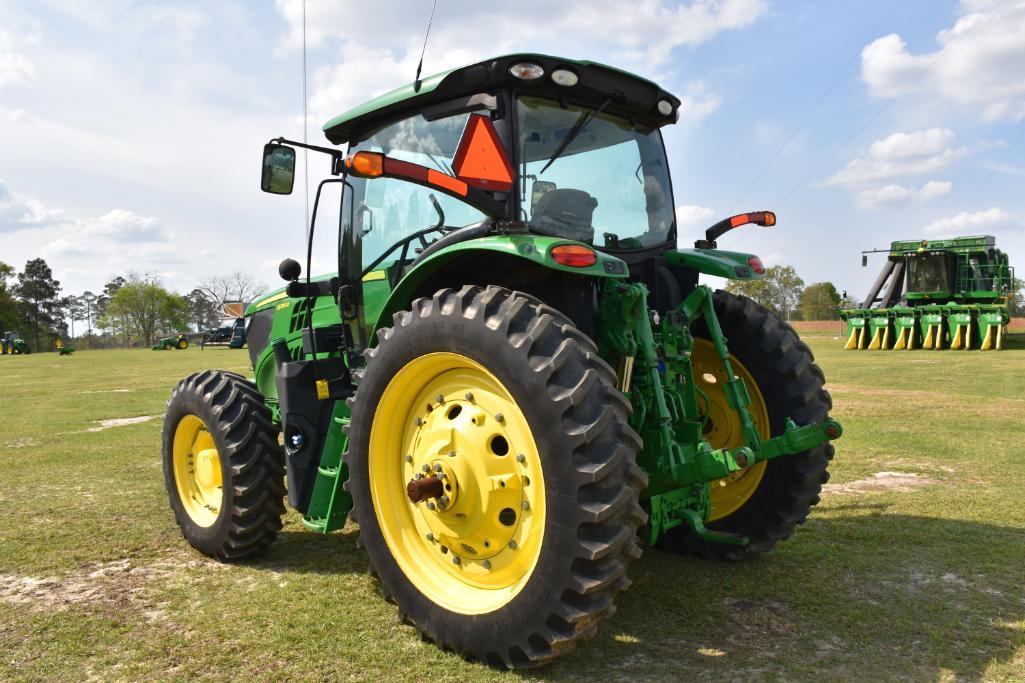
(926, 584)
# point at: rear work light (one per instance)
(574, 255)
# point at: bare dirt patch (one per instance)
(119, 584)
(900, 482)
(120, 422)
(21, 443)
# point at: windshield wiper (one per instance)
(581, 123)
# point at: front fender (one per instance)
(732, 265)
(534, 250)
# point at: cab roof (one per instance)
(633, 97)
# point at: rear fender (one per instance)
(732, 265)
(458, 264)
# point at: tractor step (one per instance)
(330, 504)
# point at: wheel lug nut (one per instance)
(499, 417)
(425, 467)
(437, 467)
(417, 421)
(512, 545)
(439, 398)
(443, 502)
(409, 458)
(526, 505)
(468, 396)
(487, 564)
(455, 559)
(520, 458)
(430, 537)
(431, 505)
(451, 454)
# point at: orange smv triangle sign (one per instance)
(480, 159)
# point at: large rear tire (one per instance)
(522, 558)
(223, 468)
(770, 499)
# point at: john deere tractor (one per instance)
(515, 380)
(179, 341)
(12, 344)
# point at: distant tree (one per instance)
(39, 295)
(110, 323)
(142, 307)
(204, 313)
(779, 291)
(820, 301)
(1016, 298)
(88, 303)
(73, 310)
(236, 286)
(8, 305)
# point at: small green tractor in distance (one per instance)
(515, 379)
(180, 342)
(12, 344)
(939, 294)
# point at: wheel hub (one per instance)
(208, 468)
(466, 483)
(458, 485)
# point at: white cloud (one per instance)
(901, 154)
(641, 39)
(649, 31)
(15, 69)
(126, 226)
(897, 195)
(697, 101)
(978, 63)
(21, 212)
(964, 221)
(691, 216)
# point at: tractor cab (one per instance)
(564, 156)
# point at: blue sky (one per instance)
(131, 131)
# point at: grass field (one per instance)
(912, 567)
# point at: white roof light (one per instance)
(526, 71)
(665, 107)
(565, 77)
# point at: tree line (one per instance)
(783, 291)
(130, 310)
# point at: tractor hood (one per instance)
(633, 97)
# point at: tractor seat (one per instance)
(565, 213)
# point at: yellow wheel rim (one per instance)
(723, 429)
(473, 551)
(197, 471)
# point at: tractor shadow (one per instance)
(859, 595)
(307, 552)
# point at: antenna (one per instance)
(420, 66)
(306, 151)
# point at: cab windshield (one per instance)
(928, 273)
(608, 184)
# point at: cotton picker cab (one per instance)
(514, 381)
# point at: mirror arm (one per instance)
(336, 155)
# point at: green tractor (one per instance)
(515, 380)
(180, 342)
(13, 344)
(935, 294)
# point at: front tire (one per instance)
(223, 468)
(769, 500)
(526, 556)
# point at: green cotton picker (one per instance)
(939, 294)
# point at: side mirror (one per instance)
(864, 260)
(278, 169)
